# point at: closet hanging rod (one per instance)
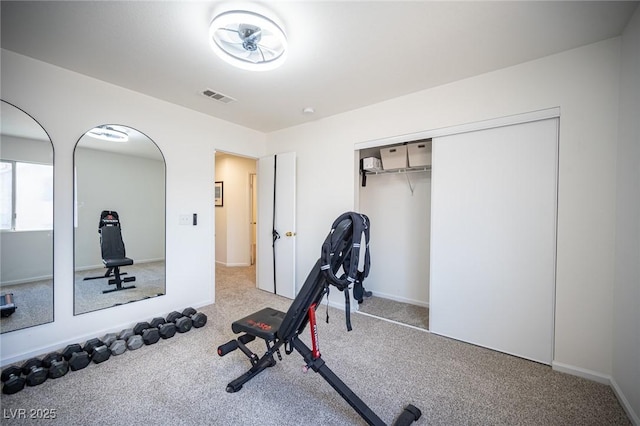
(400, 171)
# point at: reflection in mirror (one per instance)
(26, 221)
(119, 221)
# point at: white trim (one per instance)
(509, 120)
(26, 280)
(232, 265)
(605, 379)
(394, 322)
(400, 299)
(581, 372)
(635, 418)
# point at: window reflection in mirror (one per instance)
(120, 254)
(26, 221)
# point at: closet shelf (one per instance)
(400, 171)
(404, 171)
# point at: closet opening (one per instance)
(394, 191)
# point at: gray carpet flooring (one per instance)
(88, 296)
(34, 302)
(181, 381)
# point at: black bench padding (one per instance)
(263, 324)
(113, 251)
(112, 247)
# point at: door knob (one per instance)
(290, 234)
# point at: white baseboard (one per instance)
(581, 372)
(232, 265)
(26, 280)
(400, 299)
(424, 330)
(600, 378)
(633, 416)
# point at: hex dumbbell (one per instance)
(97, 350)
(55, 364)
(109, 338)
(114, 343)
(12, 381)
(134, 341)
(197, 318)
(166, 329)
(76, 357)
(183, 324)
(118, 347)
(150, 335)
(34, 372)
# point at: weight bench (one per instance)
(113, 252)
(7, 305)
(281, 330)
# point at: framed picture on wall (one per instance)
(218, 194)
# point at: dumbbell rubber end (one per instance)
(70, 349)
(135, 342)
(118, 347)
(167, 330)
(100, 354)
(79, 360)
(199, 320)
(150, 336)
(12, 381)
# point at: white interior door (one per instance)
(277, 173)
(493, 238)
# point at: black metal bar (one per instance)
(106, 275)
(258, 367)
(318, 365)
(118, 281)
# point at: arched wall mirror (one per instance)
(26, 221)
(119, 218)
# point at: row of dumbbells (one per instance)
(76, 357)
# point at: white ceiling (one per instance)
(342, 54)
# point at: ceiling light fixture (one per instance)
(108, 133)
(248, 40)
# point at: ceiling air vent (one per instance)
(217, 96)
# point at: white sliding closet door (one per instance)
(493, 238)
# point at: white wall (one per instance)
(626, 296)
(233, 238)
(584, 83)
(400, 234)
(28, 150)
(26, 256)
(132, 186)
(67, 104)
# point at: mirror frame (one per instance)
(52, 231)
(75, 215)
